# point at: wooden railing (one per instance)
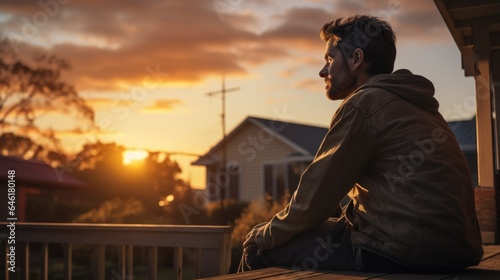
(212, 244)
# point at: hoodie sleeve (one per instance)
(339, 162)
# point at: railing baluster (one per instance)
(178, 263)
(45, 261)
(100, 260)
(68, 256)
(153, 263)
(130, 261)
(25, 270)
(121, 261)
(197, 263)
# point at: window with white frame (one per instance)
(225, 183)
(281, 179)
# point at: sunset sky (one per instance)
(146, 66)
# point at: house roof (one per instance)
(36, 173)
(303, 139)
(307, 137)
(465, 131)
(463, 17)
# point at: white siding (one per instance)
(250, 147)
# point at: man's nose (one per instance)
(323, 73)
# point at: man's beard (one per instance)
(342, 85)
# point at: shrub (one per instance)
(232, 211)
(257, 212)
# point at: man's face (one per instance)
(340, 83)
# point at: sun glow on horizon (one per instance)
(133, 156)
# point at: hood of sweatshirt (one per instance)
(413, 88)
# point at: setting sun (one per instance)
(131, 156)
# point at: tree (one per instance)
(22, 146)
(164, 173)
(31, 86)
(100, 156)
(101, 166)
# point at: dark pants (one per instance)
(326, 247)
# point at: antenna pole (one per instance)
(223, 192)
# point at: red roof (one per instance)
(36, 173)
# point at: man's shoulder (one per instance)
(370, 100)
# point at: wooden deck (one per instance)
(489, 268)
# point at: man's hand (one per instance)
(249, 243)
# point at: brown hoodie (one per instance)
(393, 153)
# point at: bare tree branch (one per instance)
(32, 87)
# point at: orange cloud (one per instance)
(162, 106)
(113, 45)
(102, 102)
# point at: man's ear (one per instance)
(357, 59)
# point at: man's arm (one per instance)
(340, 161)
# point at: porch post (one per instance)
(486, 204)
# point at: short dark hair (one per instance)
(371, 34)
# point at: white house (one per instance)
(263, 157)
